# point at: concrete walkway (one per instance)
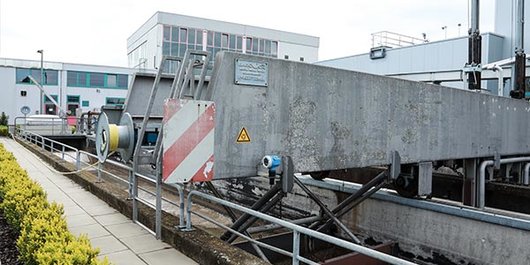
(117, 237)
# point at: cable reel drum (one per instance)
(115, 138)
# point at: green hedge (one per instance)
(4, 130)
(44, 237)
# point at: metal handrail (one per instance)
(41, 140)
(297, 230)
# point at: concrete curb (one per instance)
(198, 244)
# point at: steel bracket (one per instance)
(395, 165)
(425, 179)
(472, 68)
(497, 160)
(287, 174)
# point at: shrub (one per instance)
(3, 119)
(4, 130)
(44, 236)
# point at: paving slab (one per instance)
(166, 257)
(112, 219)
(144, 243)
(126, 230)
(80, 219)
(100, 210)
(92, 231)
(108, 245)
(127, 257)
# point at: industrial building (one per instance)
(440, 61)
(71, 85)
(172, 34)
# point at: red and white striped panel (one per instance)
(188, 140)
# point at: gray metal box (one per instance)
(326, 118)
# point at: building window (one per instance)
(178, 39)
(274, 49)
(115, 101)
(239, 46)
(112, 80)
(167, 33)
(248, 45)
(224, 41)
(97, 80)
(72, 104)
(255, 44)
(23, 93)
(123, 81)
(72, 99)
(286, 57)
(183, 35)
(85, 103)
(50, 76)
(174, 34)
(48, 100)
(191, 36)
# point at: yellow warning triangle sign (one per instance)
(243, 136)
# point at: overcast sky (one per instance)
(96, 31)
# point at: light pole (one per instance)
(41, 78)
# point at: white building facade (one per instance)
(172, 34)
(71, 85)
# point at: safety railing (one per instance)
(296, 229)
(394, 40)
(73, 154)
(67, 152)
(55, 126)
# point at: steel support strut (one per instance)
(355, 199)
(327, 211)
(233, 217)
(275, 200)
(474, 49)
(519, 84)
(257, 206)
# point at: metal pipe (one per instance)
(361, 191)
(99, 172)
(233, 217)
(474, 48)
(259, 243)
(355, 196)
(482, 176)
(256, 206)
(306, 231)
(77, 160)
(253, 219)
(158, 211)
(519, 73)
(146, 203)
(269, 227)
(327, 211)
(475, 13)
(41, 79)
(134, 197)
(182, 217)
(296, 247)
(500, 85)
(346, 209)
(526, 175)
